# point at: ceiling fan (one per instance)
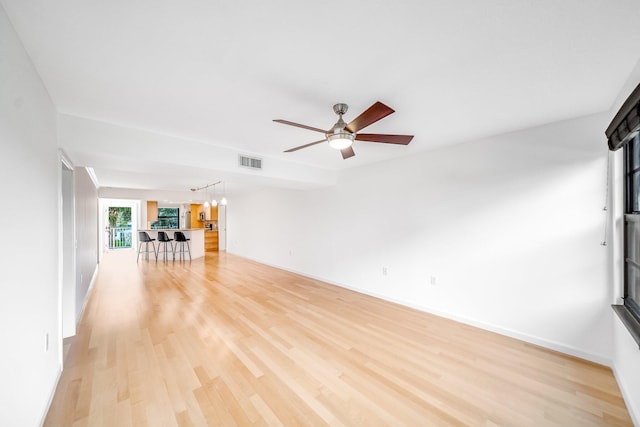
(342, 135)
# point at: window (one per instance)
(623, 132)
(632, 226)
(167, 218)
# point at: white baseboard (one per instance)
(634, 411)
(532, 339)
(61, 366)
(542, 342)
(89, 290)
(51, 395)
(622, 378)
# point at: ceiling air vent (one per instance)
(249, 162)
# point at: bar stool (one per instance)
(163, 239)
(182, 239)
(143, 237)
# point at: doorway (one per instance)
(118, 223)
(119, 227)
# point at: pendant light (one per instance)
(223, 202)
(206, 202)
(214, 202)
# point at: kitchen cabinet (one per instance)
(152, 212)
(196, 209)
(210, 241)
(210, 224)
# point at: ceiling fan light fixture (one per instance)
(342, 135)
(340, 140)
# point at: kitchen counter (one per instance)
(196, 244)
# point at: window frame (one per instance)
(168, 218)
(631, 237)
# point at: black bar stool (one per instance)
(163, 239)
(182, 239)
(143, 237)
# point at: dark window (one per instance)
(632, 227)
(167, 218)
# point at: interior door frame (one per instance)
(222, 228)
(66, 251)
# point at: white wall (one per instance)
(509, 227)
(68, 288)
(627, 367)
(86, 203)
(29, 286)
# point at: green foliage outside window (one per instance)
(167, 218)
(119, 217)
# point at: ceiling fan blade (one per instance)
(287, 122)
(387, 139)
(304, 146)
(371, 115)
(347, 152)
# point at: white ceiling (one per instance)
(217, 73)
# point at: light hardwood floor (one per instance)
(226, 341)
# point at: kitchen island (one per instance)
(196, 244)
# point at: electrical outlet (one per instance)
(384, 271)
(432, 280)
